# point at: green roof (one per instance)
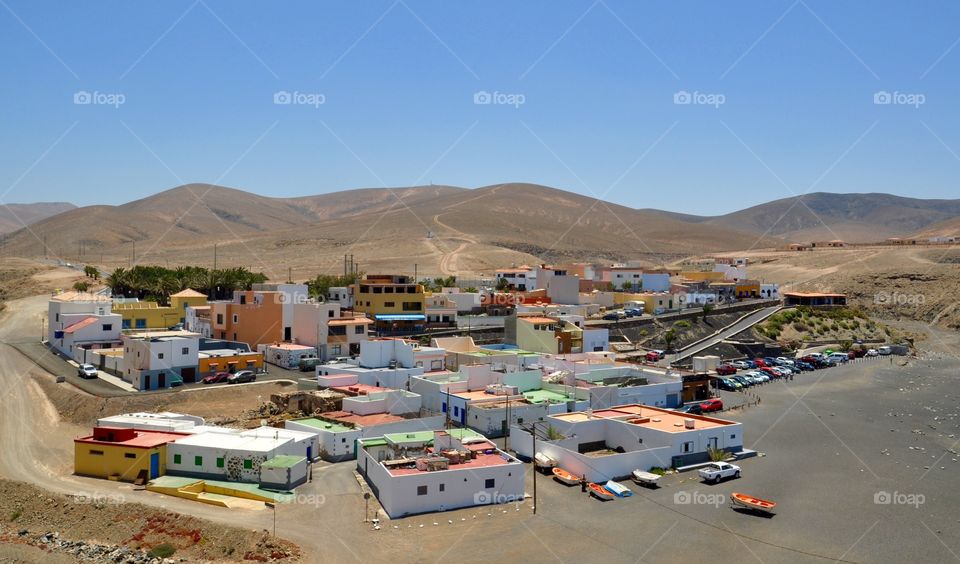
(427, 436)
(540, 396)
(322, 425)
(282, 461)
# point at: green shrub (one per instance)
(16, 514)
(682, 324)
(163, 550)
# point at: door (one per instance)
(463, 416)
(189, 374)
(154, 465)
(162, 380)
(310, 452)
(712, 442)
(444, 407)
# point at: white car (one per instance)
(759, 376)
(716, 471)
(87, 371)
(839, 357)
(740, 365)
(872, 352)
(784, 361)
(885, 350)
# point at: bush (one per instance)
(717, 455)
(682, 324)
(163, 550)
(16, 515)
(800, 327)
(658, 471)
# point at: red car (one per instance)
(652, 356)
(216, 378)
(726, 369)
(769, 372)
(715, 404)
(760, 363)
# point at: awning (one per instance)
(400, 317)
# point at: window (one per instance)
(185, 350)
(412, 306)
(335, 350)
(733, 435)
(441, 487)
(421, 490)
(247, 464)
(489, 483)
(330, 313)
(359, 329)
(519, 420)
(96, 452)
(141, 323)
(108, 326)
(198, 461)
(129, 455)
(343, 439)
(377, 290)
(456, 411)
(176, 459)
(219, 463)
(125, 324)
(219, 319)
(389, 304)
(236, 318)
(388, 290)
(159, 355)
(688, 446)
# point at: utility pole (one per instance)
(414, 273)
(533, 433)
(214, 256)
(344, 265)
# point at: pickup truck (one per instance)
(716, 471)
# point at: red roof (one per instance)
(140, 439)
(86, 322)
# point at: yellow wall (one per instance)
(748, 289)
(530, 339)
(154, 315)
(113, 461)
(244, 362)
(378, 302)
(650, 301)
(701, 276)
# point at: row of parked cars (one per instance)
(762, 370)
(239, 377)
(622, 314)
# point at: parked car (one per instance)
(751, 364)
(611, 317)
(716, 471)
(885, 350)
(805, 366)
(242, 377)
(215, 378)
(770, 361)
(728, 385)
(660, 353)
(652, 356)
(770, 371)
(693, 408)
(87, 371)
(740, 365)
(757, 375)
(726, 369)
(872, 352)
(710, 405)
(308, 364)
(629, 313)
(839, 357)
(746, 383)
(784, 361)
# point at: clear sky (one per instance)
(583, 96)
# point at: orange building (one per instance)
(253, 317)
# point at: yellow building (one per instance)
(229, 360)
(396, 303)
(702, 276)
(652, 301)
(120, 453)
(748, 289)
(151, 315)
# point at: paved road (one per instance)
(725, 333)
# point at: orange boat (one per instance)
(752, 503)
(565, 477)
(600, 491)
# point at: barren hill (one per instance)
(852, 217)
(444, 229)
(18, 216)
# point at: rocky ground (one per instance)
(93, 528)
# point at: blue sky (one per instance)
(782, 98)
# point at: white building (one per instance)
(326, 327)
(440, 310)
(731, 271)
(610, 443)
(413, 475)
(378, 353)
(286, 355)
(655, 281)
(770, 291)
(161, 421)
(522, 279)
(81, 319)
(465, 302)
(160, 359)
(341, 295)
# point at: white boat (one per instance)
(543, 461)
(618, 489)
(645, 478)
